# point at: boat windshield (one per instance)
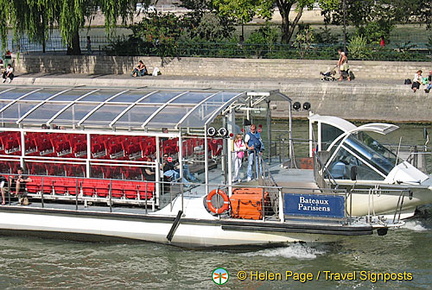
(372, 151)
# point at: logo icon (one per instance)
(220, 276)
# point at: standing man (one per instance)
(88, 46)
(254, 146)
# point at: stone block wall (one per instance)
(215, 67)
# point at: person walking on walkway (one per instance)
(342, 65)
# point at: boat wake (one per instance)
(296, 251)
(416, 226)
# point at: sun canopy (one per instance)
(109, 108)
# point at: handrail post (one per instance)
(281, 206)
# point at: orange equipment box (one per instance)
(247, 203)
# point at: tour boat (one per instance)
(95, 158)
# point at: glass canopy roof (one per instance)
(113, 108)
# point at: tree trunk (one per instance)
(287, 27)
(74, 48)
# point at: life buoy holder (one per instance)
(211, 207)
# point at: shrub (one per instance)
(358, 48)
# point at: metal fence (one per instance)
(103, 45)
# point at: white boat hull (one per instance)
(190, 233)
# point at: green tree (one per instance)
(161, 31)
(205, 22)
(244, 10)
(374, 18)
(35, 18)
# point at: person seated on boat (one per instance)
(148, 171)
(140, 70)
(186, 173)
(17, 184)
(3, 188)
(171, 171)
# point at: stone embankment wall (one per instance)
(377, 93)
(216, 67)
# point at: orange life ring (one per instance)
(211, 207)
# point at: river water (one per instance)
(403, 256)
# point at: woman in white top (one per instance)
(239, 152)
(416, 81)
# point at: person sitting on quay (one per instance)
(8, 74)
(429, 86)
(417, 80)
(140, 70)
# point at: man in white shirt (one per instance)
(8, 74)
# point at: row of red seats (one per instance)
(91, 187)
(78, 170)
(103, 146)
(10, 143)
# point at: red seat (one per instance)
(117, 188)
(102, 188)
(88, 187)
(146, 190)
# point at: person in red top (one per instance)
(382, 41)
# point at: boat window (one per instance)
(136, 116)
(376, 154)
(344, 161)
(328, 135)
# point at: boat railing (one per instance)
(320, 171)
(416, 155)
(85, 191)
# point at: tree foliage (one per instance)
(244, 10)
(162, 31)
(34, 18)
(205, 21)
(374, 18)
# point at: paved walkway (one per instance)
(193, 82)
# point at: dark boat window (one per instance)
(379, 157)
(328, 135)
(340, 167)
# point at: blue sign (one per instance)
(314, 205)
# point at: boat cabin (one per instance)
(347, 153)
(110, 145)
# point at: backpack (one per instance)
(255, 142)
(407, 82)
